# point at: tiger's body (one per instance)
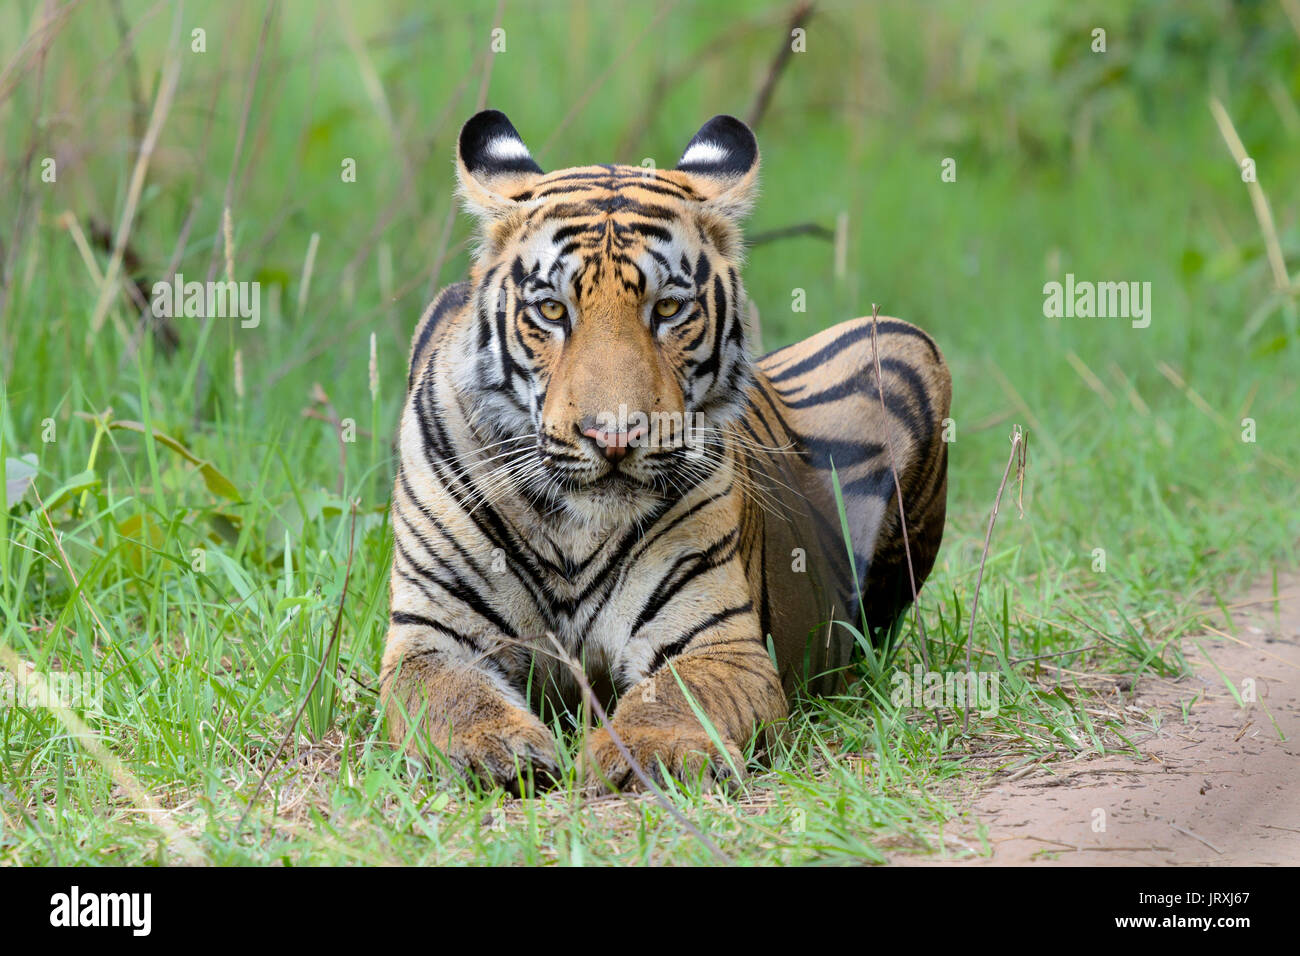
(593, 468)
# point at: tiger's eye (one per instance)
(667, 308)
(551, 310)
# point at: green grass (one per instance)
(203, 586)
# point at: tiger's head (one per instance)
(607, 314)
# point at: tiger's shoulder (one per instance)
(446, 306)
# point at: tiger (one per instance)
(603, 497)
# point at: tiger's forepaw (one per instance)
(505, 750)
(682, 751)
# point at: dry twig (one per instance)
(798, 17)
(315, 681)
(594, 706)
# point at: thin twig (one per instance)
(1017, 454)
(815, 229)
(798, 17)
(162, 105)
(1186, 832)
(1258, 201)
(590, 699)
(320, 670)
(40, 39)
(1043, 657)
(898, 488)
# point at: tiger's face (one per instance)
(609, 316)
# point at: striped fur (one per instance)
(521, 523)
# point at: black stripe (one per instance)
(843, 341)
(654, 232)
(452, 297)
(876, 484)
(895, 403)
(438, 525)
(683, 570)
(667, 651)
(484, 517)
(765, 605)
(405, 617)
(714, 362)
(459, 589)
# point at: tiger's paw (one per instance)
(681, 751)
(511, 747)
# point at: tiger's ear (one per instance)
(721, 161)
(493, 165)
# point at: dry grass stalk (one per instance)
(82, 734)
(898, 488)
(315, 681)
(1017, 458)
(161, 106)
(1263, 212)
(592, 705)
(798, 17)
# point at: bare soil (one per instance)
(1217, 782)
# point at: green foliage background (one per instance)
(1107, 165)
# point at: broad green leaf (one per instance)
(19, 474)
(87, 479)
(212, 477)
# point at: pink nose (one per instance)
(614, 444)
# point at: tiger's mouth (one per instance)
(615, 479)
(610, 498)
(615, 488)
(610, 479)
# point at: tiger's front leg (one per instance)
(721, 660)
(472, 717)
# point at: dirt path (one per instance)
(1216, 788)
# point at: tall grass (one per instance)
(194, 537)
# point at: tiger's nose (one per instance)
(614, 445)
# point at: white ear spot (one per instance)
(506, 148)
(703, 154)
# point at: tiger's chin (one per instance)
(614, 500)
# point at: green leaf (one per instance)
(19, 474)
(375, 781)
(234, 573)
(217, 483)
(87, 479)
(285, 603)
(707, 724)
